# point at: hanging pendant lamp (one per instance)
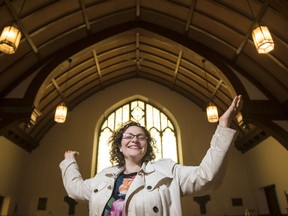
(262, 39)
(10, 39)
(261, 36)
(11, 34)
(211, 109)
(212, 113)
(62, 109)
(61, 113)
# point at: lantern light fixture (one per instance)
(211, 109)
(262, 39)
(10, 39)
(11, 34)
(61, 113)
(62, 109)
(261, 35)
(212, 113)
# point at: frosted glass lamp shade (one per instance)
(212, 113)
(262, 39)
(10, 39)
(60, 113)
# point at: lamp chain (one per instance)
(65, 88)
(251, 10)
(20, 11)
(203, 61)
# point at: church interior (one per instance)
(92, 57)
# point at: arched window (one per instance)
(157, 122)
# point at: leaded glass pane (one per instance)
(163, 121)
(156, 118)
(137, 113)
(126, 113)
(156, 135)
(103, 158)
(119, 116)
(170, 140)
(149, 116)
(111, 120)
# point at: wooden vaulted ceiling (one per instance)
(202, 49)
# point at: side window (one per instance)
(157, 122)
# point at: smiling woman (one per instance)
(138, 186)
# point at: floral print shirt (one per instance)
(116, 204)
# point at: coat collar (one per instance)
(164, 167)
(115, 171)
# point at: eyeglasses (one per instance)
(130, 136)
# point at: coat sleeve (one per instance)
(75, 186)
(200, 179)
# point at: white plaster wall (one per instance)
(13, 162)
(267, 164)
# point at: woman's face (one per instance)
(134, 144)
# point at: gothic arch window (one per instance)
(157, 122)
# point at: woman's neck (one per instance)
(131, 167)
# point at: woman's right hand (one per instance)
(70, 154)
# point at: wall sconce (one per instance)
(10, 39)
(60, 113)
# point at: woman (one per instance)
(137, 186)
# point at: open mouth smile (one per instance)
(134, 147)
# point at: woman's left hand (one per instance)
(235, 107)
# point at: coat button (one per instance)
(96, 190)
(155, 209)
(149, 187)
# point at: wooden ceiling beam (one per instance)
(177, 68)
(98, 67)
(190, 16)
(264, 109)
(85, 16)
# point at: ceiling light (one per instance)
(261, 36)
(212, 113)
(211, 110)
(10, 39)
(60, 113)
(11, 34)
(262, 39)
(61, 110)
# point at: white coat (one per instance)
(158, 186)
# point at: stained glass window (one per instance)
(157, 122)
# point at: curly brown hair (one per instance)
(117, 157)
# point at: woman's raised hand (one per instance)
(235, 107)
(71, 154)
